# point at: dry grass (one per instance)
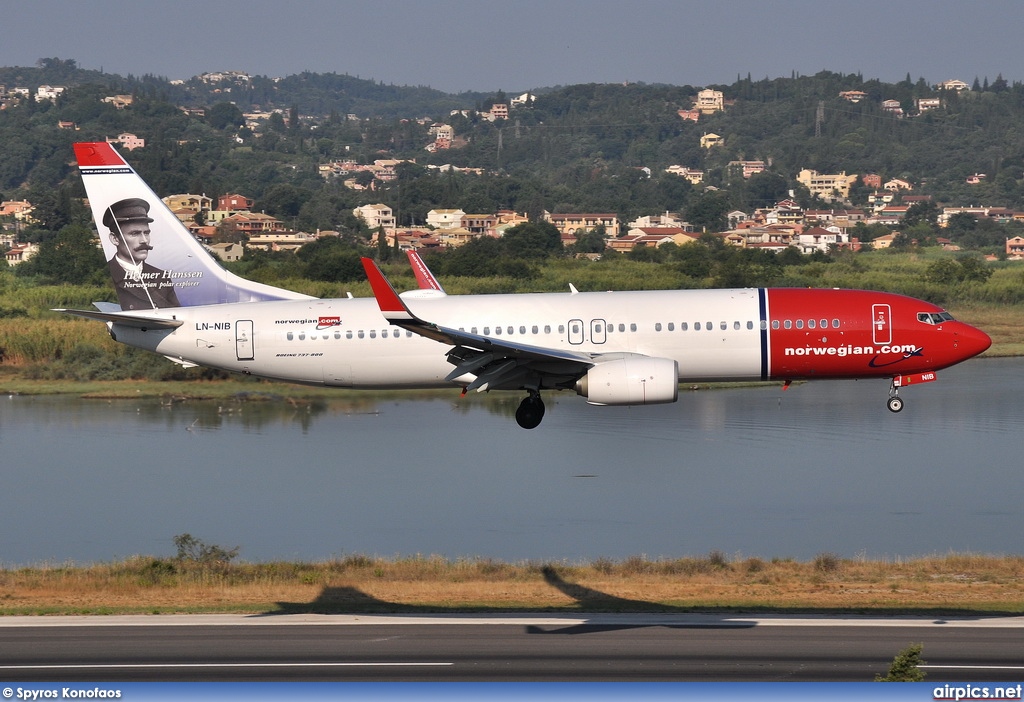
(947, 584)
(1002, 322)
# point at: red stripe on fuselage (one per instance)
(858, 333)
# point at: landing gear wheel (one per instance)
(530, 412)
(895, 404)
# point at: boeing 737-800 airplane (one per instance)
(613, 348)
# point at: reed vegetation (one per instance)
(39, 344)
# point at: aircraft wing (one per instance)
(496, 363)
(138, 321)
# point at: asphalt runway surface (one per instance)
(524, 647)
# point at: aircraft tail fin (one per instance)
(425, 278)
(154, 260)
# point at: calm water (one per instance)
(751, 472)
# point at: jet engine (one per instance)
(632, 380)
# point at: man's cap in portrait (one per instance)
(123, 211)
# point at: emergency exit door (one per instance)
(881, 324)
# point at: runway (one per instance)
(524, 647)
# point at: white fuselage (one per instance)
(712, 334)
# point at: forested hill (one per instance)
(593, 148)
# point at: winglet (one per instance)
(391, 305)
(424, 277)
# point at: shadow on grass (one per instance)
(352, 600)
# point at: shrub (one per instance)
(826, 563)
(194, 550)
(904, 666)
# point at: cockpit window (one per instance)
(934, 317)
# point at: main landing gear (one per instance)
(895, 402)
(530, 411)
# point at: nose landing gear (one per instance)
(895, 402)
(530, 411)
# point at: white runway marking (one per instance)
(975, 667)
(121, 666)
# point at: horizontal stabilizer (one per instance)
(129, 320)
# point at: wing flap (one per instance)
(493, 361)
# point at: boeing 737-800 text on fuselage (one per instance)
(613, 348)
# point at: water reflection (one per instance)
(751, 471)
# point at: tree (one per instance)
(328, 258)
(283, 201)
(363, 178)
(70, 257)
(694, 260)
(709, 211)
(650, 254)
(765, 189)
(948, 271)
(225, 115)
(974, 269)
(925, 211)
(945, 271)
(276, 123)
(532, 240)
(591, 241)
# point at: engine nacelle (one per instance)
(633, 380)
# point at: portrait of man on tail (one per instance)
(140, 285)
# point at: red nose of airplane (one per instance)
(971, 341)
